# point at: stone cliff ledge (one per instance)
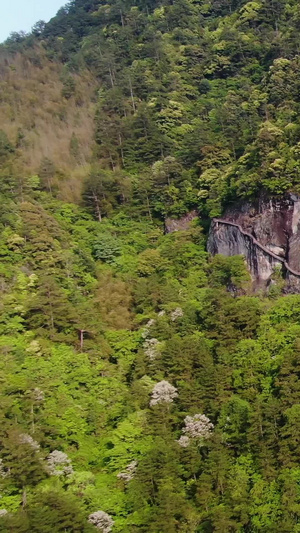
(267, 235)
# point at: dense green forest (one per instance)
(144, 386)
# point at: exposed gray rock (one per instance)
(180, 224)
(274, 223)
(266, 233)
(229, 239)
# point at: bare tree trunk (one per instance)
(81, 338)
(131, 94)
(32, 418)
(97, 206)
(24, 497)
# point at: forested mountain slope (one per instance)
(195, 103)
(144, 387)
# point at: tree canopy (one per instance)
(144, 386)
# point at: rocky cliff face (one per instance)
(266, 233)
(180, 224)
(229, 240)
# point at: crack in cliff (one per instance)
(287, 251)
(258, 244)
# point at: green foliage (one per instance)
(106, 248)
(229, 271)
(6, 147)
(69, 87)
(82, 303)
(196, 105)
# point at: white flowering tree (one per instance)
(128, 474)
(24, 438)
(146, 331)
(151, 348)
(38, 395)
(59, 464)
(163, 392)
(177, 313)
(184, 441)
(197, 427)
(101, 521)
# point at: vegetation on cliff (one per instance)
(143, 387)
